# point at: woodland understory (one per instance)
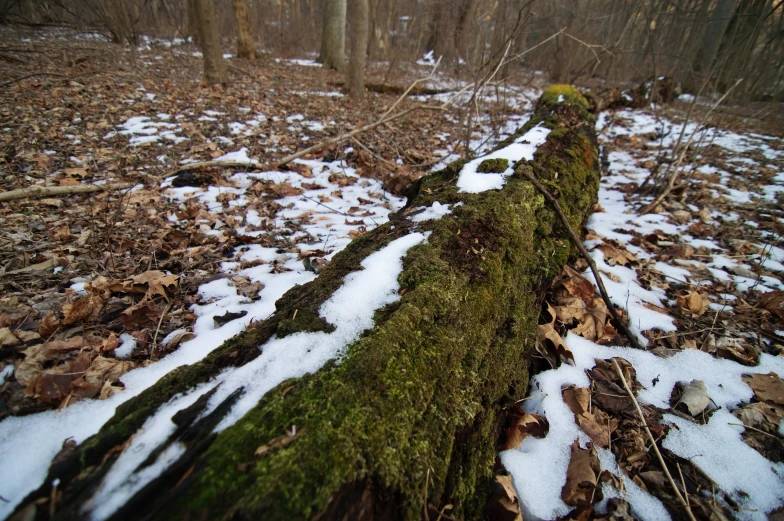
(98, 284)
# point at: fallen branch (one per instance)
(43, 191)
(586, 256)
(653, 441)
(211, 164)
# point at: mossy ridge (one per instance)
(442, 365)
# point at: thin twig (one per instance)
(577, 242)
(653, 441)
(160, 321)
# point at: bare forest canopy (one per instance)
(706, 45)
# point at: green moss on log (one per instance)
(496, 165)
(415, 400)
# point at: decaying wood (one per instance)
(45, 191)
(410, 415)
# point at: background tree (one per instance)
(360, 32)
(214, 66)
(246, 47)
(333, 39)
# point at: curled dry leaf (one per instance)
(8, 338)
(582, 477)
(761, 415)
(617, 254)
(48, 325)
(522, 425)
(575, 283)
(551, 346)
(773, 301)
(82, 309)
(767, 387)
(503, 504)
(592, 420)
(694, 303)
(695, 397)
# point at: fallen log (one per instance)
(408, 413)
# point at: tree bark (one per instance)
(246, 47)
(413, 410)
(360, 32)
(214, 66)
(333, 37)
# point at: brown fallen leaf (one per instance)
(695, 397)
(761, 415)
(593, 421)
(773, 301)
(82, 309)
(48, 325)
(8, 338)
(575, 283)
(140, 314)
(523, 424)
(694, 303)
(280, 441)
(617, 255)
(767, 387)
(551, 346)
(503, 504)
(582, 477)
(106, 370)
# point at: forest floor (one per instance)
(104, 293)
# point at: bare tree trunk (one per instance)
(245, 44)
(714, 34)
(466, 27)
(333, 38)
(214, 66)
(360, 31)
(193, 22)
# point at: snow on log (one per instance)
(375, 388)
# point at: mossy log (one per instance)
(412, 409)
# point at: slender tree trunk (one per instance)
(360, 31)
(193, 22)
(333, 38)
(246, 47)
(214, 66)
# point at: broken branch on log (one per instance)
(44, 191)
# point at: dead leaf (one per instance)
(695, 303)
(695, 397)
(592, 420)
(279, 190)
(551, 346)
(582, 477)
(141, 314)
(761, 415)
(7, 337)
(524, 424)
(575, 283)
(617, 255)
(773, 301)
(503, 504)
(106, 370)
(767, 387)
(82, 309)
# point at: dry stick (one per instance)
(576, 240)
(42, 191)
(674, 176)
(410, 88)
(653, 441)
(208, 164)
